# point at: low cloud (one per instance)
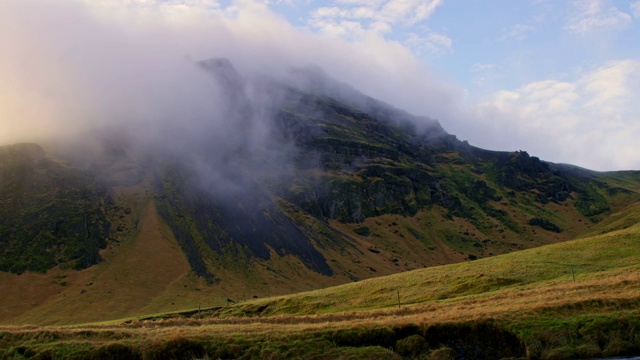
(635, 7)
(73, 68)
(77, 66)
(592, 120)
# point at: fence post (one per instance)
(573, 275)
(398, 298)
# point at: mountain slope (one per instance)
(609, 260)
(50, 214)
(577, 299)
(305, 184)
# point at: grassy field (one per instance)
(578, 299)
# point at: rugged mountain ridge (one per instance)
(296, 189)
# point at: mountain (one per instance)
(291, 184)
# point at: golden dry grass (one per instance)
(520, 291)
(531, 292)
(145, 266)
(614, 294)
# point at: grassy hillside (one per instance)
(588, 260)
(364, 195)
(143, 269)
(577, 299)
(50, 214)
(337, 188)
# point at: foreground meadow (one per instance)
(579, 299)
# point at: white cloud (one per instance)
(477, 67)
(152, 10)
(486, 75)
(592, 121)
(593, 15)
(332, 11)
(518, 32)
(374, 3)
(377, 17)
(425, 9)
(408, 11)
(341, 29)
(432, 43)
(635, 7)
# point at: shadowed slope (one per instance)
(124, 284)
(50, 214)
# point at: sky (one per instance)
(558, 79)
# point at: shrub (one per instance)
(177, 348)
(588, 351)
(47, 354)
(484, 339)
(617, 347)
(444, 353)
(564, 352)
(411, 346)
(116, 351)
(362, 231)
(381, 336)
(545, 224)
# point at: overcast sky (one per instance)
(559, 79)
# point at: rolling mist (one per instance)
(79, 67)
(76, 68)
(198, 86)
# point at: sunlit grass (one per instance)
(532, 293)
(575, 299)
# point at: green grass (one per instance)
(523, 304)
(591, 258)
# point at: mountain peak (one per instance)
(225, 73)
